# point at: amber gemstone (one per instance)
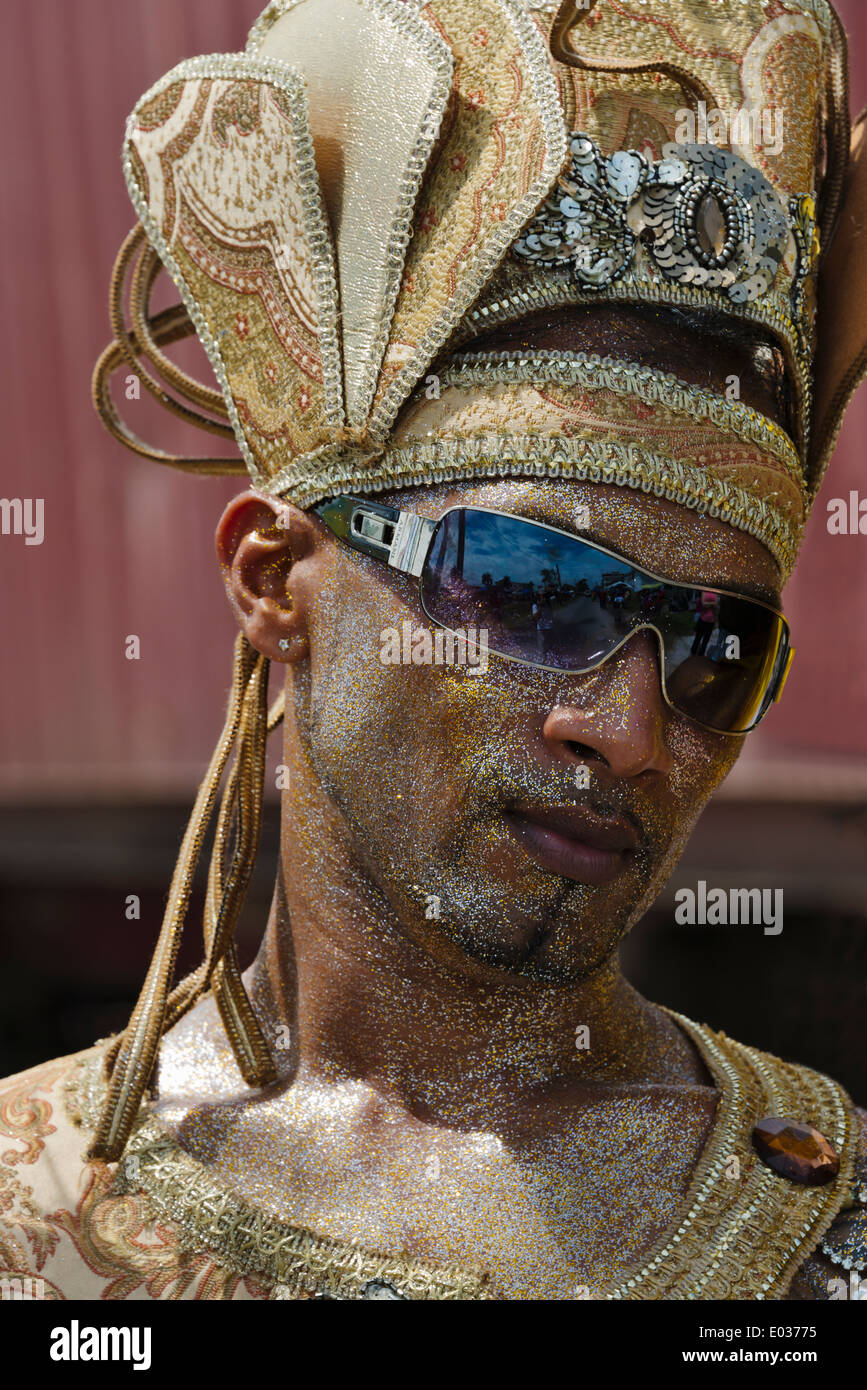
(795, 1150)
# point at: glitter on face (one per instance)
(445, 754)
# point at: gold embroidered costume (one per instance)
(163, 1226)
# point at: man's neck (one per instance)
(365, 1002)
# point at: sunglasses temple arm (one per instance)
(401, 539)
(785, 676)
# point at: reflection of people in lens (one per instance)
(618, 593)
(707, 690)
(726, 624)
(705, 622)
(543, 613)
(651, 603)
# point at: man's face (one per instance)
(462, 795)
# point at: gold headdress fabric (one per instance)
(280, 189)
(371, 185)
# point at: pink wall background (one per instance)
(128, 545)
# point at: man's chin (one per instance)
(545, 952)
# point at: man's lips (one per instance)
(573, 842)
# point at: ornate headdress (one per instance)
(371, 185)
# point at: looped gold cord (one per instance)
(144, 276)
(141, 344)
(130, 1059)
(569, 16)
(133, 350)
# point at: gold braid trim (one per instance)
(295, 1261)
(648, 384)
(589, 460)
(737, 1235)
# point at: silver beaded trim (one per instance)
(848, 1247)
(267, 18)
(587, 460)
(557, 290)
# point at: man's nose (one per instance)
(617, 713)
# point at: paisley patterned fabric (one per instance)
(222, 160)
(610, 421)
(65, 1232)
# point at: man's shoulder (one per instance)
(807, 1212)
(69, 1227)
(42, 1164)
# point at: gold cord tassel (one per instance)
(225, 897)
(185, 994)
(130, 1059)
(241, 808)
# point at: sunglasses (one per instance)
(550, 599)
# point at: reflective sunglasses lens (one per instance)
(542, 597)
(550, 599)
(723, 657)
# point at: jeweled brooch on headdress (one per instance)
(705, 217)
(700, 217)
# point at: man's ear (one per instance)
(841, 361)
(267, 551)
